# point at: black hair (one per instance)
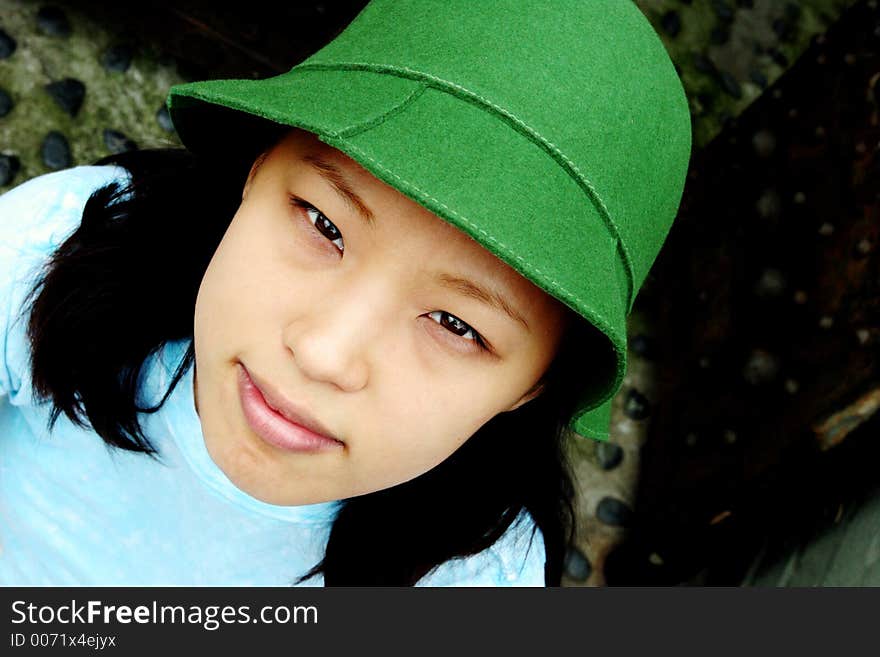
(125, 282)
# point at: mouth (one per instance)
(278, 422)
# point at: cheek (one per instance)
(238, 283)
(426, 420)
(216, 303)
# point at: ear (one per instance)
(528, 396)
(253, 172)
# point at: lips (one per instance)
(279, 421)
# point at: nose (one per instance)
(335, 332)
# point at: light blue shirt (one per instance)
(74, 511)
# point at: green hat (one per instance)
(555, 133)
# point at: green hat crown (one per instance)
(555, 133)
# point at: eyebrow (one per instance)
(471, 289)
(333, 175)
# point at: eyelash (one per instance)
(477, 339)
(308, 208)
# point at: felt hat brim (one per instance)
(472, 166)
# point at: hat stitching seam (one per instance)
(521, 126)
(375, 121)
(620, 361)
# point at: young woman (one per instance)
(340, 338)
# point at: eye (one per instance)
(454, 325)
(321, 223)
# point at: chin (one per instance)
(271, 495)
(250, 471)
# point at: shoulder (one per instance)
(38, 215)
(42, 211)
(35, 218)
(515, 559)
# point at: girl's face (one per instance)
(390, 328)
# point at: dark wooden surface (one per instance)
(767, 305)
